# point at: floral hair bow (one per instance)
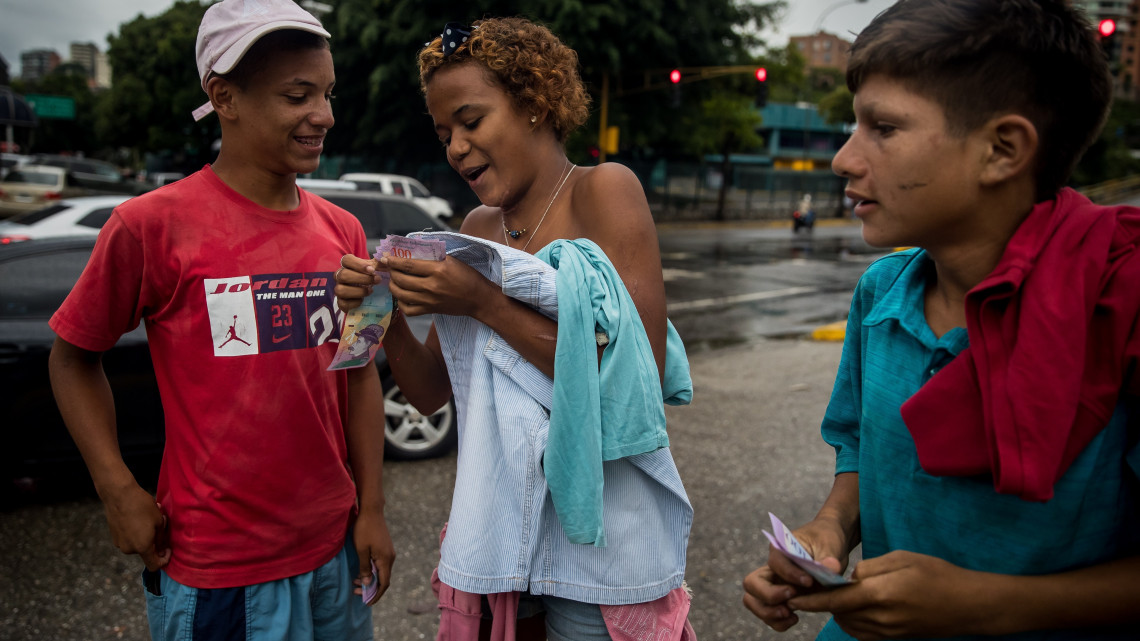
(454, 36)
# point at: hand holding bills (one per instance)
(368, 592)
(784, 541)
(365, 326)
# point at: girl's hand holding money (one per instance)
(447, 286)
(354, 280)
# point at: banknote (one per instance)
(418, 248)
(369, 590)
(364, 328)
(786, 542)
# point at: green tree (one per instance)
(1110, 155)
(155, 84)
(55, 135)
(380, 110)
(838, 106)
(727, 124)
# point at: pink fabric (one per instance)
(666, 619)
(460, 613)
(1054, 339)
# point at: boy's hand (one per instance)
(767, 590)
(354, 280)
(902, 594)
(138, 526)
(373, 545)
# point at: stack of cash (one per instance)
(364, 327)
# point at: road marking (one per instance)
(669, 273)
(725, 301)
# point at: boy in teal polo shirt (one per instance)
(985, 414)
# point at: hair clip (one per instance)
(454, 35)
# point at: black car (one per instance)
(407, 433)
(35, 277)
(95, 175)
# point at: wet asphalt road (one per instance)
(748, 444)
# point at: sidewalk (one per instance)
(750, 444)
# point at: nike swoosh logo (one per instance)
(278, 340)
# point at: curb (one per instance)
(753, 224)
(836, 331)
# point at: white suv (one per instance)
(403, 186)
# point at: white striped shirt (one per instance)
(503, 534)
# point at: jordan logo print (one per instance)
(233, 334)
(263, 313)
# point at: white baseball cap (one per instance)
(229, 28)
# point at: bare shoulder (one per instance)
(609, 199)
(483, 222)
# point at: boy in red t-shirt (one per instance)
(269, 510)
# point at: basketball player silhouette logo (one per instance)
(233, 334)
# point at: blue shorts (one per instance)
(314, 606)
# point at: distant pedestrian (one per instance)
(804, 215)
(986, 413)
(269, 512)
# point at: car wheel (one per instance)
(409, 435)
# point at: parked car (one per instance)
(83, 216)
(32, 187)
(405, 186)
(94, 174)
(408, 434)
(160, 178)
(309, 184)
(35, 277)
(10, 160)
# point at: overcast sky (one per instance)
(55, 24)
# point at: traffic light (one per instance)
(1107, 29)
(761, 87)
(675, 78)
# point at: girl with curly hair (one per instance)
(527, 537)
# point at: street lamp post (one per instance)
(827, 11)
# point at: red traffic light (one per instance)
(675, 76)
(1107, 27)
(761, 74)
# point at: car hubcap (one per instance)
(411, 431)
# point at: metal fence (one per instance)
(691, 191)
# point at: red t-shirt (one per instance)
(242, 322)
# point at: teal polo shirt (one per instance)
(888, 354)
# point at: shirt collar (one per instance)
(903, 303)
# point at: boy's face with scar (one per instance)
(913, 182)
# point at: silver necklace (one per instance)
(508, 233)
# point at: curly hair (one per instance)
(529, 62)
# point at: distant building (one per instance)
(84, 55)
(1123, 47)
(823, 50)
(796, 158)
(37, 63)
(102, 71)
(5, 79)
